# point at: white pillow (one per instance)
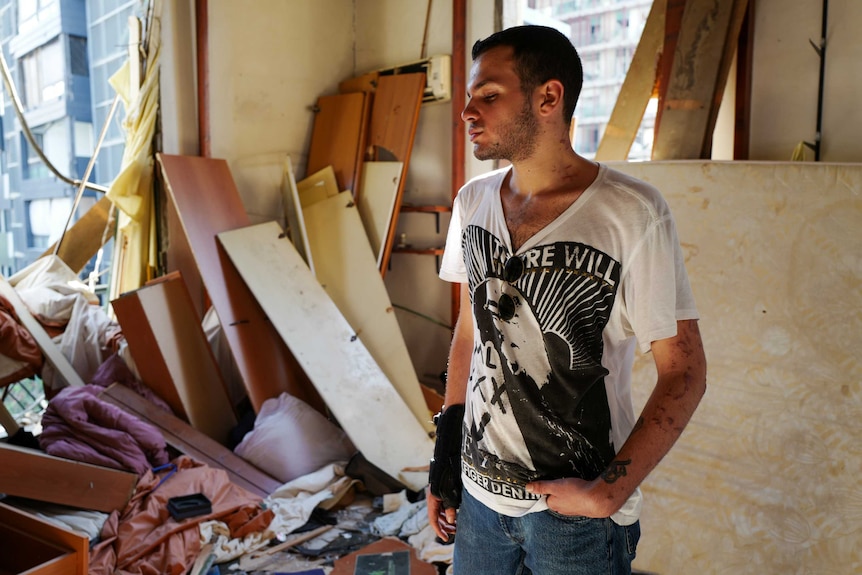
(291, 439)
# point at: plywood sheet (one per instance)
(170, 344)
(347, 270)
(293, 213)
(338, 137)
(356, 390)
(766, 478)
(188, 441)
(207, 202)
(36, 475)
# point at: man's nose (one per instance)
(468, 114)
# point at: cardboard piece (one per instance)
(356, 390)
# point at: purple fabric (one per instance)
(78, 425)
(115, 370)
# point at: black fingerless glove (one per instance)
(445, 471)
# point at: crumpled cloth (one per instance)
(78, 425)
(20, 356)
(291, 504)
(144, 539)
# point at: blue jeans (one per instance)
(542, 543)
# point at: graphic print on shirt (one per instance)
(538, 408)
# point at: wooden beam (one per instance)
(672, 24)
(695, 76)
(737, 16)
(53, 355)
(637, 89)
(36, 475)
(744, 65)
(207, 202)
(83, 240)
(361, 398)
(188, 441)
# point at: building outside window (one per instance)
(606, 34)
(43, 74)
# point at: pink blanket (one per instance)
(78, 425)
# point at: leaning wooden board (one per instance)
(354, 387)
(207, 201)
(347, 269)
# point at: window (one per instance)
(46, 219)
(32, 12)
(43, 76)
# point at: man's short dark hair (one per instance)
(541, 54)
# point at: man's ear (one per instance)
(550, 97)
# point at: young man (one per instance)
(565, 266)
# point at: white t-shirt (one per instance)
(549, 391)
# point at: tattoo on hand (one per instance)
(616, 470)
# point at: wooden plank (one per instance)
(394, 118)
(347, 270)
(187, 440)
(64, 368)
(37, 475)
(695, 72)
(173, 356)
(672, 25)
(318, 186)
(83, 240)
(357, 391)
(338, 137)
(376, 201)
(78, 546)
(208, 202)
(637, 89)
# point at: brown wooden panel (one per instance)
(338, 137)
(188, 441)
(208, 202)
(394, 118)
(694, 80)
(37, 475)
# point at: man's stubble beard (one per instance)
(517, 138)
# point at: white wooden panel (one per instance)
(377, 192)
(348, 272)
(354, 387)
(293, 214)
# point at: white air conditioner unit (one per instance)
(438, 76)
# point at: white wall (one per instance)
(786, 74)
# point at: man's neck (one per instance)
(549, 171)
